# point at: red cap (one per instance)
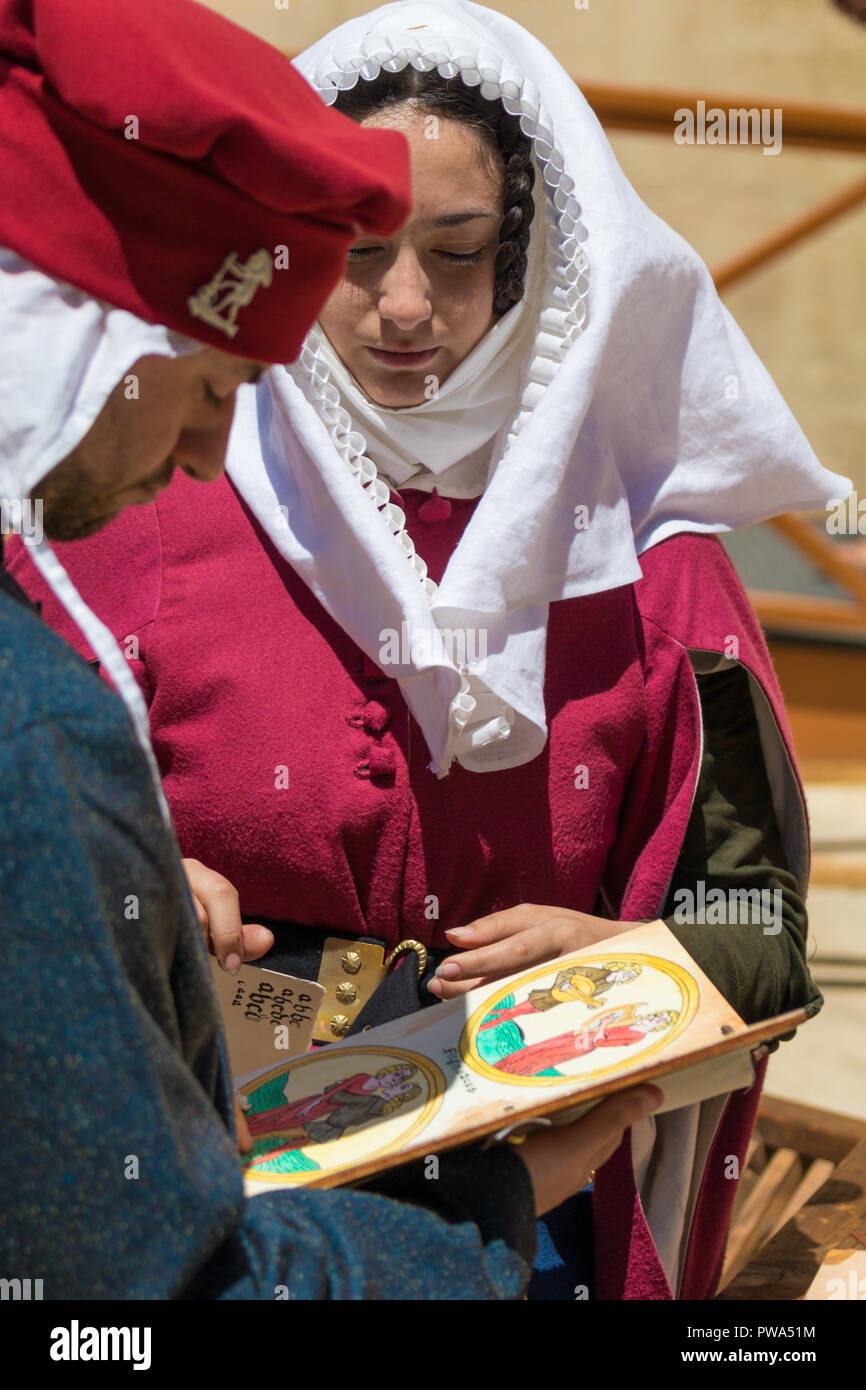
(169, 163)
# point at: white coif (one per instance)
(641, 412)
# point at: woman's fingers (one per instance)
(217, 908)
(525, 948)
(200, 912)
(498, 925)
(223, 921)
(446, 989)
(257, 940)
(506, 942)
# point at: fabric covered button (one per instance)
(378, 763)
(381, 762)
(435, 509)
(376, 717)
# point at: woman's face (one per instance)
(409, 308)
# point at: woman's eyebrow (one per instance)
(454, 219)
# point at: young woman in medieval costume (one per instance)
(522, 420)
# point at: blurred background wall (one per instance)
(805, 313)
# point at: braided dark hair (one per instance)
(502, 141)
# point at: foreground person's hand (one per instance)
(217, 908)
(562, 1159)
(505, 942)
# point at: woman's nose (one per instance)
(405, 293)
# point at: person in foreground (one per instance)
(120, 1171)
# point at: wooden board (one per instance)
(834, 1218)
(823, 686)
(812, 1132)
(765, 1204)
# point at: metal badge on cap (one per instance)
(231, 289)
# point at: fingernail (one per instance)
(434, 986)
(449, 971)
(460, 932)
(232, 963)
(650, 1102)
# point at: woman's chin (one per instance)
(400, 390)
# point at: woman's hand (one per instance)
(507, 942)
(561, 1159)
(219, 915)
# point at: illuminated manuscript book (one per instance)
(542, 1046)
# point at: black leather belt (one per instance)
(364, 986)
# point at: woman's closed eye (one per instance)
(358, 253)
(464, 257)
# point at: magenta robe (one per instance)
(246, 676)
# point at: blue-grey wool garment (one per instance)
(120, 1174)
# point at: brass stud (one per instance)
(339, 1025)
(346, 992)
(351, 962)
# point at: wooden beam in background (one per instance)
(825, 553)
(788, 235)
(814, 125)
(796, 615)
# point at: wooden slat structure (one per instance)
(803, 1193)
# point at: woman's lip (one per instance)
(403, 359)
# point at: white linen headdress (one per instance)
(643, 412)
(61, 355)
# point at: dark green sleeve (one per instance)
(733, 843)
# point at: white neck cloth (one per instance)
(643, 412)
(61, 355)
(458, 424)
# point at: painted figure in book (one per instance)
(572, 985)
(370, 1100)
(619, 1028)
(326, 1115)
